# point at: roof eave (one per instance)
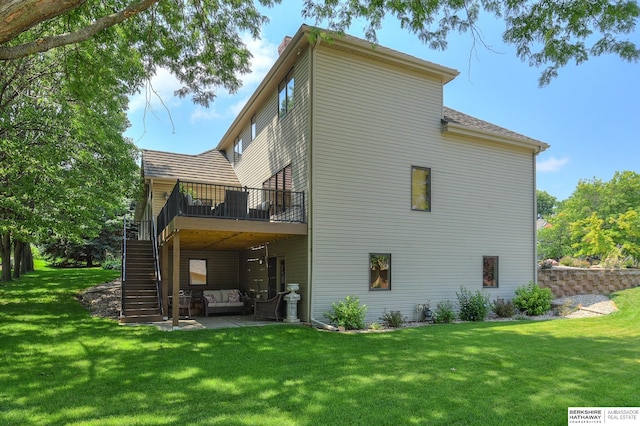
(459, 130)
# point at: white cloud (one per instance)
(551, 164)
(264, 56)
(159, 93)
(204, 114)
(156, 93)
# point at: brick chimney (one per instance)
(284, 44)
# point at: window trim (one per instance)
(495, 273)
(428, 189)
(371, 273)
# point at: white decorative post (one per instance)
(292, 302)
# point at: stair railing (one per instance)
(156, 260)
(123, 275)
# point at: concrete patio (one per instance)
(211, 322)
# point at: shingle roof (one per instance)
(453, 116)
(209, 167)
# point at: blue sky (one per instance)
(590, 114)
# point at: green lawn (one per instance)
(61, 366)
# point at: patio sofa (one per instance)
(223, 301)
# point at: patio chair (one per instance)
(269, 308)
(235, 203)
(184, 302)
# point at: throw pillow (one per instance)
(234, 296)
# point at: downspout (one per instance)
(310, 239)
(535, 217)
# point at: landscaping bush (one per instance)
(112, 264)
(444, 312)
(348, 313)
(574, 263)
(503, 308)
(532, 299)
(375, 326)
(392, 319)
(473, 307)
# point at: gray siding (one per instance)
(294, 251)
(372, 123)
(280, 142)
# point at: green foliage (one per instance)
(199, 42)
(472, 307)
(348, 313)
(392, 319)
(599, 220)
(532, 299)
(444, 313)
(550, 34)
(546, 203)
(86, 250)
(554, 242)
(112, 264)
(503, 308)
(574, 262)
(375, 326)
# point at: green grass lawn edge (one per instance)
(62, 366)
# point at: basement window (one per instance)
(379, 271)
(490, 271)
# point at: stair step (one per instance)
(140, 293)
(140, 319)
(141, 311)
(135, 298)
(140, 287)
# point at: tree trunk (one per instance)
(89, 261)
(18, 247)
(27, 259)
(5, 254)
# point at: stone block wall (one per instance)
(572, 281)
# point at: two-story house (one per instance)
(345, 173)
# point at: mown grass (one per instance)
(61, 366)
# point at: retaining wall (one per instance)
(571, 281)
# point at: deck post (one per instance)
(175, 307)
(165, 281)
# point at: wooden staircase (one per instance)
(139, 289)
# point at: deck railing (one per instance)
(232, 202)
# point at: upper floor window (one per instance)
(285, 95)
(253, 128)
(237, 149)
(421, 188)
